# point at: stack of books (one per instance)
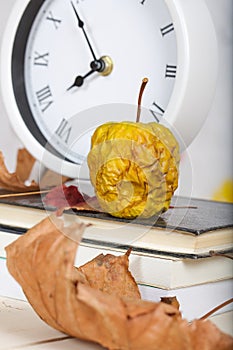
(171, 255)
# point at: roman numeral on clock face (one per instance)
(41, 59)
(156, 111)
(170, 71)
(53, 20)
(167, 29)
(44, 97)
(64, 130)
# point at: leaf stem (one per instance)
(216, 309)
(213, 253)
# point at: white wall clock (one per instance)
(62, 58)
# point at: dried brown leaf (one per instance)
(205, 335)
(13, 181)
(42, 262)
(154, 326)
(110, 274)
(171, 301)
(24, 164)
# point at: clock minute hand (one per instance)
(81, 25)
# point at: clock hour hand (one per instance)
(79, 80)
(99, 66)
(81, 25)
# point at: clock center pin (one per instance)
(107, 65)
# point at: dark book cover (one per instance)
(195, 216)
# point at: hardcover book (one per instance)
(205, 297)
(169, 252)
(190, 229)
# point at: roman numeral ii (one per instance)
(167, 29)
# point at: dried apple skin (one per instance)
(134, 168)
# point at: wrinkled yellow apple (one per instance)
(134, 168)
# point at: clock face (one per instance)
(61, 98)
(69, 66)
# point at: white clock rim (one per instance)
(185, 122)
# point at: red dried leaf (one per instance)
(63, 196)
(67, 197)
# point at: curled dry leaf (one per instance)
(65, 197)
(72, 301)
(111, 275)
(24, 164)
(171, 301)
(16, 181)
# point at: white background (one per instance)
(211, 151)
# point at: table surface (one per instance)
(21, 328)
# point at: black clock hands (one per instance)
(96, 66)
(103, 65)
(81, 25)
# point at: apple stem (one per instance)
(144, 82)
